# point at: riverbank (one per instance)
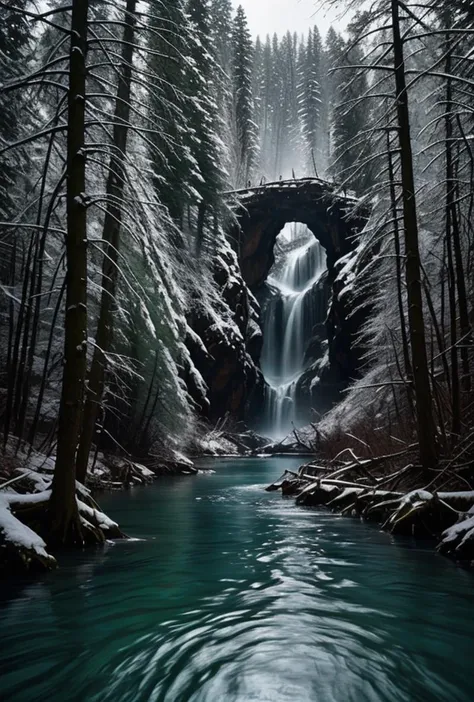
(26, 476)
(378, 490)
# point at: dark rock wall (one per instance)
(226, 343)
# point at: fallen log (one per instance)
(446, 515)
(316, 494)
(278, 483)
(291, 487)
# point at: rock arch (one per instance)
(336, 220)
(229, 365)
(264, 211)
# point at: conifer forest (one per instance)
(232, 259)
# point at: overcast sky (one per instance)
(268, 16)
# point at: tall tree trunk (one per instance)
(111, 243)
(64, 517)
(451, 217)
(464, 322)
(398, 264)
(423, 397)
(453, 189)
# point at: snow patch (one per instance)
(17, 533)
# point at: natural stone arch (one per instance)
(335, 220)
(264, 212)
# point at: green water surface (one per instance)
(235, 595)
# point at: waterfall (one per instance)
(296, 304)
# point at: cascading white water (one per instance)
(296, 305)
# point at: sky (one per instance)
(269, 16)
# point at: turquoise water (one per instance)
(236, 595)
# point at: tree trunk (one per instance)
(423, 397)
(398, 264)
(452, 186)
(451, 216)
(65, 523)
(111, 243)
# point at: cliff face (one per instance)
(225, 342)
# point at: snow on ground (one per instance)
(33, 472)
(15, 532)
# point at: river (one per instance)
(235, 595)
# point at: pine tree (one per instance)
(317, 70)
(333, 55)
(244, 126)
(64, 515)
(424, 401)
(111, 235)
(14, 40)
(309, 102)
(281, 54)
(221, 28)
(351, 118)
(263, 96)
(292, 147)
(257, 80)
(221, 39)
(170, 106)
(204, 119)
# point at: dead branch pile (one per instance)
(390, 490)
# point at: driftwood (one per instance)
(445, 515)
(277, 485)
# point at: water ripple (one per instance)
(237, 597)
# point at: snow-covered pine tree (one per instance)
(221, 42)
(170, 106)
(204, 122)
(111, 241)
(309, 103)
(65, 524)
(14, 40)
(221, 28)
(293, 152)
(245, 137)
(333, 54)
(351, 117)
(14, 45)
(394, 57)
(263, 96)
(257, 80)
(318, 68)
(280, 112)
